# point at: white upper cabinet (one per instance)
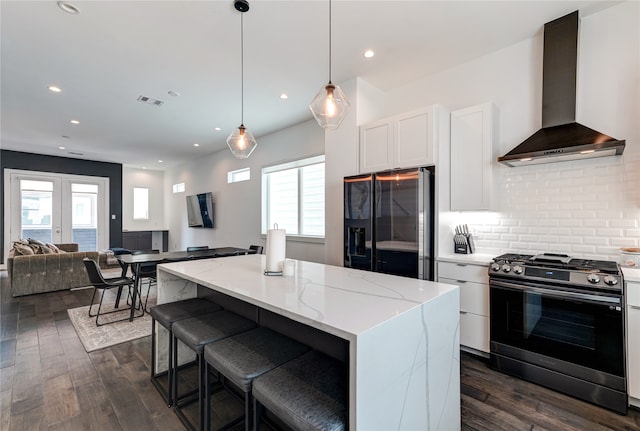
(474, 133)
(402, 141)
(376, 148)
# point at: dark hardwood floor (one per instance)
(49, 382)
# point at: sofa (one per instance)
(41, 273)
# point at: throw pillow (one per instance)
(35, 241)
(52, 247)
(44, 249)
(21, 249)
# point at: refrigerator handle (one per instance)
(357, 241)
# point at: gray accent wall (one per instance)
(66, 165)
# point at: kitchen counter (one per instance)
(473, 258)
(631, 274)
(403, 334)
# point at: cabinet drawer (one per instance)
(463, 271)
(633, 293)
(474, 331)
(474, 297)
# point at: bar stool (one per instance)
(308, 393)
(166, 315)
(241, 358)
(195, 333)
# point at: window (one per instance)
(293, 197)
(238, 175)
(140, 203)
(178, 188)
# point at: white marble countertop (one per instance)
(342, 301)
(473, 258)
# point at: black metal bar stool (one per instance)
(243, 357)
(307, 393)
(166, 315)
(195, 333)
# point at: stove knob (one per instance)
(495, 267)
(506, 268)
(593, 278)
(518, 269)
(611, 281)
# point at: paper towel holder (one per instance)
(272, 273)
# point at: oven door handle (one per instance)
(561, 294)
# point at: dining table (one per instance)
(137, 260)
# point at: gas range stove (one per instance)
(582, 274)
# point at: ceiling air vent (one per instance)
(150, 101)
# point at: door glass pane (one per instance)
(84, 216)
(37, 208)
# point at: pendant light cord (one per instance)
(242, 69)
(329, 41)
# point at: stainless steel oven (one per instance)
(559, 322)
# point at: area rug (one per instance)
(98, 337)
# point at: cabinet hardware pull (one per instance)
(635, 307)
(461, 281)
(463, 312)
(461, 264)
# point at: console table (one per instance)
(402, 334)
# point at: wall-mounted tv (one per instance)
(200, 210)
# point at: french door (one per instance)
(58, 208)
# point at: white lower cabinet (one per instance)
(633, 341)
(473, 280)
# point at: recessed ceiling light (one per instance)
(160, 161)
(74, 121)
(217, 129)
(68, 7)
(66, 137)
(368, 53)
(196, 145)
(55, 89)
(283, 96)
(62, 148)
(173, 93)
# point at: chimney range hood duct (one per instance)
(561, 138)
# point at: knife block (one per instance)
(463, 243)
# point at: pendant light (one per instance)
(330, 105)
(241, 142)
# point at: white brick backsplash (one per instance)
(596, 240)
(624, 242)
(583, 232)
(584, 208)
(610, 232)
(581, 249)
(624, 223)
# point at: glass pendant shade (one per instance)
(330, 106)
(241, 142)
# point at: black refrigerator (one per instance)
(389, 222)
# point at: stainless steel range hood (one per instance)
(561, 138)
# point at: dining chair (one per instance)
(100, 283)
(148, 272)
(257, 248)
(198, 248)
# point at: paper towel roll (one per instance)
(276, 249)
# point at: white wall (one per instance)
(584, 208)
(152, 180)
(237, 214)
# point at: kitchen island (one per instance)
(402, 334)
